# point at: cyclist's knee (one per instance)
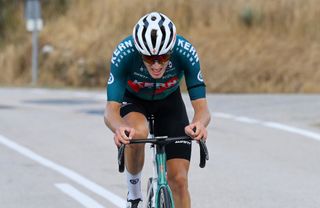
(139, 123)
(141, 132)
(178, 182)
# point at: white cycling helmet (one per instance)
(154, 34)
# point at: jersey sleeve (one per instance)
(191, 66)
(119, 68)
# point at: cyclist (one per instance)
(146, 70)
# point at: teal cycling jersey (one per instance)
(128, 72)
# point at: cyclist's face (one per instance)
(156, 68)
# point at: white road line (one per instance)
(83, 199)
(223, 115)
(246, 120)
(116, 200)
(291, 129)
(269, 124)
(274, 125)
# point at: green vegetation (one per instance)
(244, 46)
(8, 19)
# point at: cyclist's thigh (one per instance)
(134, 115)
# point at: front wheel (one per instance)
(150, 196)
(164, 198)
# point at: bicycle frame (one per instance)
(159, 179)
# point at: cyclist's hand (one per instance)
(196, 131)
(123, 135)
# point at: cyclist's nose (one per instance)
(156, 65)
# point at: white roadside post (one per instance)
(34, 24)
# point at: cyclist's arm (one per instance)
(201, 111)
(200, 119)
(196, 89)
(112, 116)
(116, 124)
(120, 64)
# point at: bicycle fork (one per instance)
(151, 192)
(153, 182)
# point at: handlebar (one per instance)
(164, 140)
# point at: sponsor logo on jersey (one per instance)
(122, 50)
(200, 78)
(160, 87)
(111, 79)
(140, 75)
(185, 48)
(168, 76)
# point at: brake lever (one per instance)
(204, 154)
(121, 157)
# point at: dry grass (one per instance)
(244, 45)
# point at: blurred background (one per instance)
(264, 148)
(245, 46)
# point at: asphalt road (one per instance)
(55, 152)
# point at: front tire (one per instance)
(149, 199)
(164, 199)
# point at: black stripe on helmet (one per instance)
(136, 35)
(144, 39)
(161, 21)
(164, 35)
(171, 34)
(145, 22)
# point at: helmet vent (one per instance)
(153, 18)
(154, 38)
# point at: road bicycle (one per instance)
(159, 194)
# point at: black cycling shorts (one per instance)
(170, 119)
